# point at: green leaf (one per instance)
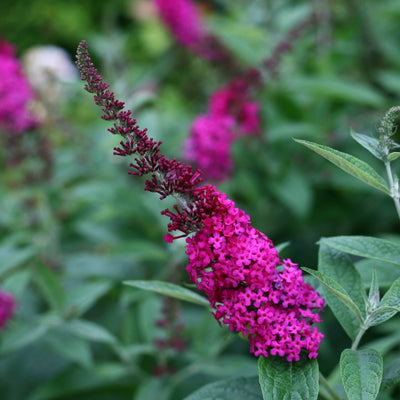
(339, 89)
(283, 132)
(294, 182)
(17, 282)
(240, 39)
(12, 257)
(350, 164)
(230, 389)
(282, 246)
(385, 272)
(89, 330)
(78, 380)
(392, 296)
(50, 286)
(369, 143)
(391, 374)
(338, 266)
(338, 290)
(373, 288)
(20, 334)
(393, 156)
(361, 373)
(389, 305)
(365, 246)
(70, 347)
(153, 388)
(170, 289)
(82, 297)
(381, 314)
(283, 380)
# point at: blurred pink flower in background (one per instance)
(235, 100)
(183, 19)
(209, 145)
(187, 26)
(15, 93)
(231, 114)
(7, 307)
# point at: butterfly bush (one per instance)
(249, 288)
(15, 93)
(7, 307)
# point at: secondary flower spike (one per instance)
(249, 288)
(187, 26)
(15, 93)
(231, 113)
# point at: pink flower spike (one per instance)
(16, 93)
(183, 19)
(243, 284)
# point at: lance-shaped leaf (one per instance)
(388, 307)
(392, 296)
(365, 246)
(283, 380)
(350, 164)
(361, 373)
(170, 289)
(369, 143)
(373, 294)
(380, 315)
(338, 266)
(338, 290)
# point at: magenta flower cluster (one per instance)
(231, 114)
(237, 267)
(183, 19)
(15, 93)
(7, 307)
(186, 24)
(251, 291)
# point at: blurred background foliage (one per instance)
(68, 240)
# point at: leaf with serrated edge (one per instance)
(365, 246)
(338, 266)
(338, 290)
(350, 164)
(170, 289)
(361, 373)
(281, 380)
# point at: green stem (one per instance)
(358, 338)
(329, 394)
(394, 187)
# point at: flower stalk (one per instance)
(247, 285)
